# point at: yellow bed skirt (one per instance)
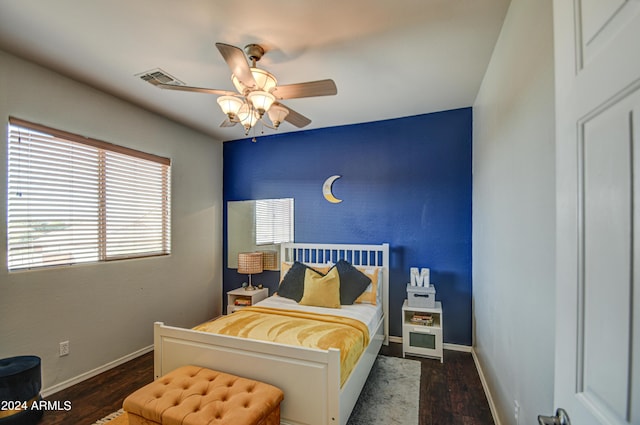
(297, 328)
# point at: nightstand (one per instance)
(422, 330)
(238, 298)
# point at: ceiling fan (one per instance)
(257, 91)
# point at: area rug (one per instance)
(116, 418)
(391, 395)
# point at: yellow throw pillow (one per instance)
(369, 296)
(322, 291)
(284, 268)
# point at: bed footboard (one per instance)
(310, 378)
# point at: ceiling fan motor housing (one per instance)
(254, 52)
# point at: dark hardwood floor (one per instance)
(101, 395)
(450, 393)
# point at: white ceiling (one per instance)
(389, 59)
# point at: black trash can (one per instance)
(20, 384)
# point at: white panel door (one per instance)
(597, 43)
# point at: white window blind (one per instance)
(274, 221)
(77, 200)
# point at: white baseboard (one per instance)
(397, 339)
(457, 347)
(97, 371)
(485, 386)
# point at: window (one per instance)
(76, 200)
(274, 221)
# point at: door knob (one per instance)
(561, 418)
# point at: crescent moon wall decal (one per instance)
(327, 189)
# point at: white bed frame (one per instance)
(310, 378)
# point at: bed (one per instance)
(310, 377)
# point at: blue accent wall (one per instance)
(404, 181)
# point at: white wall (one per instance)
(514, 215)
(107, 310)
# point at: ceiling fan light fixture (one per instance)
(277, 114)
(265, 81)
(261, 101)
(230, 105)
(257, 90)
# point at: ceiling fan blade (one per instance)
(294, 117)
(309, 89)
(227, 123)
(234, 57)
(192, 89)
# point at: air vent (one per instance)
(159, 76)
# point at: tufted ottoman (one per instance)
(192, 395)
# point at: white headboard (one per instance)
(358, 255)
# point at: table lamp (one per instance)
(250, 263)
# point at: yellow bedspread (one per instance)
(298, 328)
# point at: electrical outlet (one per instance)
(516, 411)
(64, 348)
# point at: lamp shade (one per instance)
(250, 262)
(248, 116)
(277, 114)
(261, 100)
(230, 105)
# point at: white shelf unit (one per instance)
(422, 337)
